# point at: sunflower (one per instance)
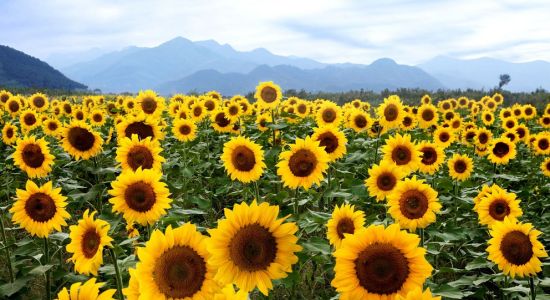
(485, 190)
(426, 99)
(333, 140)
(80, 141)
(140, 196)
(329, 114)
(228, 293)
(243, 159)
(198, 112)
(359, 121)
(469, 136)
(5, 96)
(483, 137)
(233, 111)
(251, 247)
(268, 95)
(51, 127)
(97, 117)
(134, 153)
(88, 291)
(9, 134)
(432, 156)
(140, 124)
(13, 106)
(542, 143)
(418, 294)
(344, 220)
(496, 205)
(40, 209)
(302, 109)
(522, 132)
(443, 136)
(303, 165)
(379, 263)
(67, 108)
(33, 156)
(545, 167)
(88, 239)
(149, 103)
(515, 249)
(210, 104)
(487, 118)
(184, 130)
(262, 120)
(39, 102)
(390, 112)
(544, 121)
(132, 291)
(220, 122)
(382, 179)
(29, 120)
(501, 150)
(460, 167)
(79, 114)
(400, 150)
(413, 204)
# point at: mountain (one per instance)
(66, 59)
(18, 69)
(381, 74)
(484, 73)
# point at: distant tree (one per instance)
(504, 80)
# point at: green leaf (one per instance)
(8, 289)
(40, 270)
(317, 244)
(448, 291)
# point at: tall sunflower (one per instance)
(88, 238)
(496, 205)
(515, 249)
(413, 204)
(382, 179)
(134, 153)
(40, 209)
(333, 140)
(97, 117)
(303, 164)
(432, 156)
(501, 150)
(390, 112)
(80, 141)
(9, 134)
(140, 196)
(184, 130)
(542, 143)
(460, 167)
(344, 220)
(379, 263)
(13, 106)
(329, 114)
(88, 291)
(400, 150)
(198, 112)
(33, 156)
(243, 159)
(251, 247)
(268, 95)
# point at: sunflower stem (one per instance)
(8, 254)
(421, 237)
(494, 172)
(117, 274)
(296, 204)
(376, 148)
(257, 191)
(48, 277)
(532, 288)
(273, 129)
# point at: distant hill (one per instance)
(20, 70)
(381, 74)
(483, 73)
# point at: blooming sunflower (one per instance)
(529, 111)
(483, 137)
(243, 159)
(184, 130)
(9, 134)
(390, 112)
(542, 143)
(509, 123)
(33, 156)
(220, 121)
(39, 102)
(251, 247)
(262, 120)
(487, 117)
(88, 291)
(149, 103)
(80, 141)
(333, 140)
(303, 165)
(140, 124)
(515, 249)
(344, 220)
(97, 117)
(40, 209)
(359, 121)
(329, 114)
(268, 94)
(496, 205)
(444, 136)
(432, 157)
(379, 263)
(400, 150)
(88, 239)
(382, 179)
(13, 106)
(51, 127)
(233, 111)
(409, 122)
(460, 167)
(29, 120)
(501, 150)
(418, 294)
(134, 153)
(198, 112)
(545, 167)
(140, 196)
(413, 204)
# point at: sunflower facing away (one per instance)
(268, 94)
(33, 156)
(243, 159)
(251, 247)
(514, 247)
(303, 164)
(460, 167)
(382, 179)
(333, 140)
(80, 141)
(379, 263)
(40, 209)
(344, 220)
(174, 265)
(87, 291)
(184, 130)
(496, 205)
(400, 150)
(413, 204)
(432, 157)
(501, 150)
(88, 238)
(140, 196)
(134, 153)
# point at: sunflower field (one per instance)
(205, 197)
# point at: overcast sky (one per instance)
(408, 31)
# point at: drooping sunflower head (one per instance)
(460, 167)
(133, 153)
(496, 205)
(268, 94)
(400, 150)
(81, 141)
(390, 112)
(501, 150)
(9, 134)
(89, 291)
(184, 130)
(382, 179)
(243, 159)
(333, 140)
(329, 114)
(344, 220)
(33, 156)
(432, 156)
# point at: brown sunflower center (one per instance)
(360, 121)
(302, 108)
(488, 117)
(179, 272)
(543, 144)
(501, 149)
(516, 247)
(80, 138)
(381, 268)
(391, 112)
(253, 248)
(40, 207)
(449, 115)
(185, 129)
(140, 196)
(329, 141)
(32, 155)
(407, 121)
(197, 111)
(302, 163)
(483, 138)
(268, 94)
(90, 243)
(446, 106)
(233, 110)
(149, 105)
(38, 102)
(4, 98)
(517, 112)
(460, 166)
(140, 156)
(329, 115)
(13, 106)
(52, 126)
(521, 132)
(506, 114)
(444, 137)
(221, 120)
(528, 111)
(79, 115)
(401, 155)
(428, 115)
(546, 120)
(345, 225)
(29, 119)
(209, 104)
(97, 118)
(510, 124)
(243, 158)
(140, 128)
(470, 135)
(413, 204)
(499, 209)
(429, 155)
(67, 108)
(9, 132)
(386, 181)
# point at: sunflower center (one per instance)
(386, 181)
(483, 138)
(546, 121)
(141, 129)
(268, 94)
(444, 137)
(80, 138)
(52, 126)
(253, 248)
(9, 132)
(401, 155)
(521, 132)
(407, 121)
(185, 129)
(140, 156)
(221, 120)
(179, 272)
(516, 247)
(499, 209)
(329, 141)
(391, 112)
(345, 225)
(209, 104)
(79, 115)
(29, 119)
(329, 115)
(32, 155)
(302, 163)
(488, 117)
(67, 108)
(429, 156)
(501, 149)
(510, 124)
(548, 166)
(149, 105)
(263, 122)
(97, 117)
(470, 136)
(428, 115)
(528, 111)
(381, 269)
(413, 204)
(233, 110)
(243, 158)
(360, 121)
(38, 102)
(449, 115)
(13, 106)
(140, 196)
(460, 166)
(302, 108)
(543, 144)
(40, 207)
(4, 98)
(90, 243)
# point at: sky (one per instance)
(329, 31)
